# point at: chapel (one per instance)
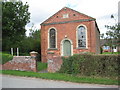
(69, 32)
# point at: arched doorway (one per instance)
(66, 48)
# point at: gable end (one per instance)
(56, 15)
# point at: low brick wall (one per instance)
(22, 63)
(54, 63)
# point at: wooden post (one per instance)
(17, 51)
(12, 51)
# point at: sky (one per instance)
(100, 9)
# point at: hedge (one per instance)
(89, 65)
(5, 57)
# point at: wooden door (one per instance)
(66, 48)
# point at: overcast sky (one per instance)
(100, 9)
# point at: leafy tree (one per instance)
(31, 43)
(112, 35)
(36, 40)
(15, 16)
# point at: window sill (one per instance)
(50, 52)
(81, 48)
(52, 48)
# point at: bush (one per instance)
(5, 57)
(89, 65)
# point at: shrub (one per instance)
(5, 57)
(90, 64)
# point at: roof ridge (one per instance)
(51, 16)
(80, 12)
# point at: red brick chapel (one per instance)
(69, 32)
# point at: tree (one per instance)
(15, 16)
(31, 43)
(112, 35)
(36, 41)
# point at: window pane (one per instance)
(81, 37)
(65, 16)
(52, 38)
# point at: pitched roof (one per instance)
(80, 13)
(103, 42)
(69, 9)
(87, 18)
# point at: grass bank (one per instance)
(111, 53)
(63, 77)
(5, 57)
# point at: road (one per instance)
(27, 82)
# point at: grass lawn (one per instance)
(63, 77)
(41, 66)
(111, 53)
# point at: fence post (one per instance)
(17, 51)
(12, 51)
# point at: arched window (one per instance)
(52, 38)
(81, 37)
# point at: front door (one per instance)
(66, 48)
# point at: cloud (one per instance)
(72, 3)
(100, 9)
(106, 20)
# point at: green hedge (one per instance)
(89, 65)
(5, 57)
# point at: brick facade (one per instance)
(66, 29)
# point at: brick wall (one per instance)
(54, 62)
(22, 63)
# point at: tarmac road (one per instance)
(27, 82)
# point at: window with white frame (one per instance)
(65, 15)
(81, 37)
(52, 38)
